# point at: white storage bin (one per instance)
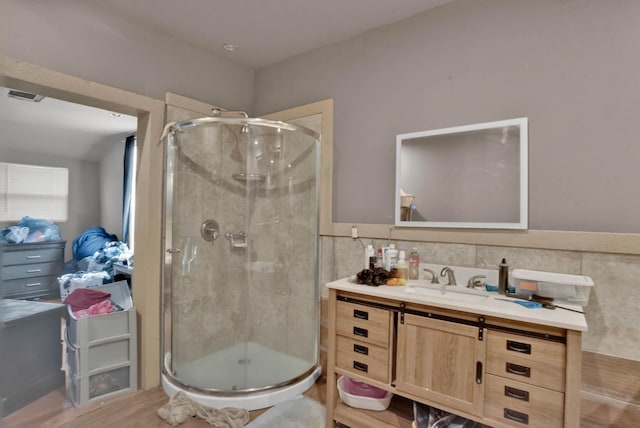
(88, 330)
(115, 380)
(564, 288)
(86, 360)
(362, 402)
(68, 283)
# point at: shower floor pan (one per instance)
(243, 366)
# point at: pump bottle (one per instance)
(369, 257)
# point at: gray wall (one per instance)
(569, 66)
(80, 39)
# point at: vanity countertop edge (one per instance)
(491, 307)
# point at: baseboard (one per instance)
(611, 377)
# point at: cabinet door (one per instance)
(442, 362)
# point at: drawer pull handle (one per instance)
(518, 394)
(359, 349)
(34, 270)
(362, 332)
(523, 418)
(34, 257)
(360, 366)
(518, 370)
(33, 284)
(360, 314)
(523, 348)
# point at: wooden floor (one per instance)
(137, 409)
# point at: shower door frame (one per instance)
(168, 250)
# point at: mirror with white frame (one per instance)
(473, 176)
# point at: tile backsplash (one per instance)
(612, 314)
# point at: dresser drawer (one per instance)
(32, 256)
(534, 361)
(30, 271)
(363, 323)
(363, 359)
(27, 285)
(521, 404)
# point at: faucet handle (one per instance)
(474, 281)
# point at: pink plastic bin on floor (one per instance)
(362, 389)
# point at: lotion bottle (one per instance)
(414, 264)
(402, 267)
(369, 253)
(392, 259)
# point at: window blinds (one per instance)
(34, 191)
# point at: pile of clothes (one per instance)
(89, 301)
(96, 250)
(30, 230)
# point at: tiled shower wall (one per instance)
(612, 314)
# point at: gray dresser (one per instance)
(31, 270)
(30, 352)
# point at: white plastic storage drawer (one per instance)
(82, 390)
(86, 360)
(564, 288)
(89, 330)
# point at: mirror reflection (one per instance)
(472, 176)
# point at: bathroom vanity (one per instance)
(485, 359)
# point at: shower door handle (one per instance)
(173, 250)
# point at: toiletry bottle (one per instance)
(369, 253)
(379, 262)
(503, 277)
(402, 267)
(392, 257)
(414, 264)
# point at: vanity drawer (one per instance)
(32, 256)
(520, 404)
(27, 285)
(30, 271)
(363, 323)
(363, 359)
(534, 361)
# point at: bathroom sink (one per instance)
(462, 294)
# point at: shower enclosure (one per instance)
(240, 278)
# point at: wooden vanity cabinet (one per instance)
(525, 382)
(362, 342)
(497, 372)
(442, 362)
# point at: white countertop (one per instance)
(488, 307)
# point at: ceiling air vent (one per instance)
(25, 96)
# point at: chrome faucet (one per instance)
(434, 276)
(451, 278)
(475, 281)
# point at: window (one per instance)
(34, 191)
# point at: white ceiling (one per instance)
(265, 32)
(59, 128)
